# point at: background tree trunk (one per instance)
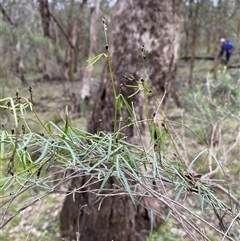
(46, 18)
(156, 25)
(195, 30)
(85, 90)
(209, 28)
(187, 25)
(72, 38)
(80, 34)
(68, 73)
(217, 36)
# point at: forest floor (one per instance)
(41, 221)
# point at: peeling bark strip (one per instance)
(155, 24)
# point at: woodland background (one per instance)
(45, 45)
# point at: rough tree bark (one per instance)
(155, 24)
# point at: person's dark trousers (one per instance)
(222, 50)
(228, 55)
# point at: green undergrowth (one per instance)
(186, 165)
(35, 164)
(38, 222)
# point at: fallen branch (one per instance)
(233, 67)
(198, 58)
(209, 58)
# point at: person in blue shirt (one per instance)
(226, 47)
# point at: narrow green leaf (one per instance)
(95, 59)
(24, 159)
(132, 77)
(117, 166)
(109, 147)
(132, 86)
(133, 159)
(125, 183)
(127, 105)
(52, 158)
(59, 129)
(49, 128)
(196, 157)
(107, 176)
(8, 183)
(119, 108)
(30, 135)
(21, 109)
(130, 96)
(2, 145)
(14, 112)
(43, 154)
(98, 163)
(73, 194)
(154, 165)
(66, 122)
(71, 152)
(162, 138)
(175, 200)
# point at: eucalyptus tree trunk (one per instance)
(187, 25)
(195, 30)
(218, 22)
(46, 18)
(72, 38)
(68, 73)
(85, 90)
(80, 33)
(209, 34)
(154, 24)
